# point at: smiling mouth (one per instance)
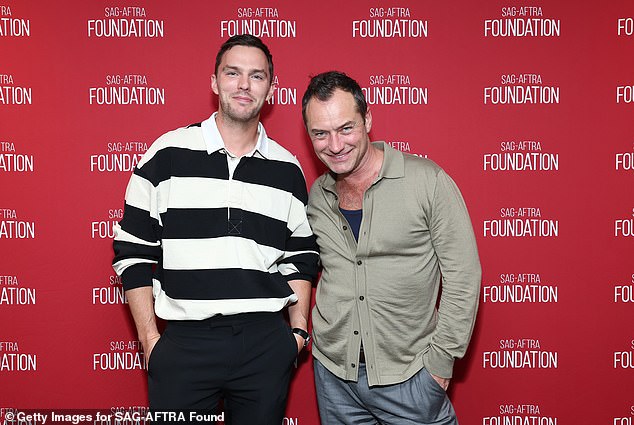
(243, 98)
(339, 157)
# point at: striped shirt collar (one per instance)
(214, 142)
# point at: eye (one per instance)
(347, 129)
(319, 135)
(258, 77)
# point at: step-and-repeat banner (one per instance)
(528, 105)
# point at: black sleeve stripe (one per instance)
(139, 223)
(307, 243)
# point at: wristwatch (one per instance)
(303, 334)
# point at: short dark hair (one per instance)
(247, 40)
(323, 86)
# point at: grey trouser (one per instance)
(417, 401)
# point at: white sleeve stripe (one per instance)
(123, 236)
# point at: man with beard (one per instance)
(215, 240)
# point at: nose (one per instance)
(335, 145)
(244, 82)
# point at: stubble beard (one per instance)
(231, 114)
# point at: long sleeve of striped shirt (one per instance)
(137, 236)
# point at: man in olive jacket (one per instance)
(390, 228)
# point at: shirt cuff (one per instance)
(137, 276)
(437, 363)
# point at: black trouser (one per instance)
(245, 359)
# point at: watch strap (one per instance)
(303, 334)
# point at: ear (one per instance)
(271, 91)
(368, 121)
(214, 83)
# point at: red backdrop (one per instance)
(530, 109)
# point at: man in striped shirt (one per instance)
(215, 240)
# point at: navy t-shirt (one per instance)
(354, 220)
